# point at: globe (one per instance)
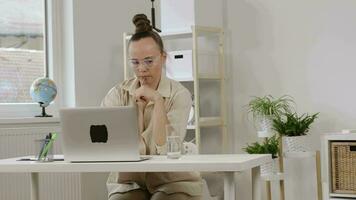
(43, 91)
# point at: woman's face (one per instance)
(146, 60)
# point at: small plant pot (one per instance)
(264, 126)
(295, 143)
(270, 168)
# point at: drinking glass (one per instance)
(174, 143)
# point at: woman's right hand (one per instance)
(141, 104)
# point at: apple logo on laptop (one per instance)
(98, 133)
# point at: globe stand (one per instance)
(44, 114)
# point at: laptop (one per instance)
(100, 134)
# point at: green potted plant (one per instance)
(265, 109)
(293, 129)
(268, 146)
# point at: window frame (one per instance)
(52, 48)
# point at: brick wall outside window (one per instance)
(18, 69)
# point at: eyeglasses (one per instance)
(146, 62)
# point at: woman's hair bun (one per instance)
(142, 23)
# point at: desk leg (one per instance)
(229, 186)
(256, 183)
(34, 186)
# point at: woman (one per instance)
(160, 101)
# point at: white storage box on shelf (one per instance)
(179, 65)
(181, 15)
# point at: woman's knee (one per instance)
(130, 195)
(174, 196)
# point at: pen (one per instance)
(49, 144)
(43, 144)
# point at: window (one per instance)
(24, 25)
(22, 40)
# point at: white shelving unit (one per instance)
(326, 163)
(198, 75)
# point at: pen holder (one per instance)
(44, 150)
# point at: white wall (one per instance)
(298, 47)
(97, 58)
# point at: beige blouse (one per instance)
(177, 101)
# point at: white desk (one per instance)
(225, 163)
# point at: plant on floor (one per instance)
(293, 125)
(268, 146)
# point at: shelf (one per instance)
(338, 198)
(201, 77)
(183, 33)
(207, 122)
(345, 131)
(209, 77)
(176, 34)
(183, 79)
(210, 121)
(343, 195)
(191, 127)
(172, 35)
(273, 177)
(340, 136)
(305, 154)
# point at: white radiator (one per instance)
(16, 186)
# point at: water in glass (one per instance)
(173, 147)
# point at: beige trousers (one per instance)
(140, 194)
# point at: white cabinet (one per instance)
(203, 74)
(326, 141)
